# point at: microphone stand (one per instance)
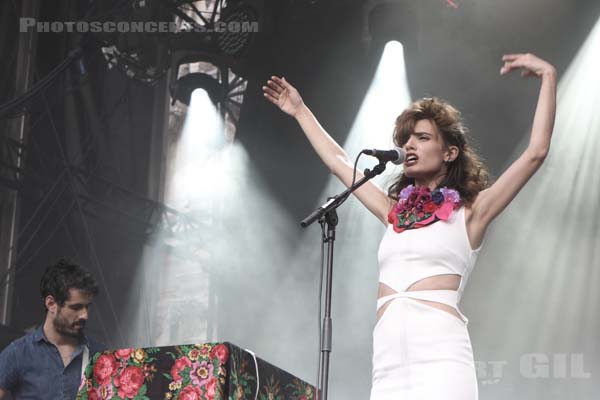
(327, 217)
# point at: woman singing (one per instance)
(436, 214)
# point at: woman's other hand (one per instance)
(279, 92)
(530, 64)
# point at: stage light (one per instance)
(198, 155)
(385, 99)
(235, 42)
(222, 32)
(387, 20)
(184, 87)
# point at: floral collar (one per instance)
(419, 206)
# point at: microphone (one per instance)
(396, 155)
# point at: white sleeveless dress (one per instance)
(421, 352)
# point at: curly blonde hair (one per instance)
(467, 173)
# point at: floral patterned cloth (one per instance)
(220, 371)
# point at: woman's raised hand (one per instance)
(279, 92)
(530, 64)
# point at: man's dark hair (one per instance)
(65, 275)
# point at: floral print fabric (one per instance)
(219, 371)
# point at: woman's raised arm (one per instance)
(492, 201)
(279, 92)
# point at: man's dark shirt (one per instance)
(31, 368)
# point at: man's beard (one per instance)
(64, 328)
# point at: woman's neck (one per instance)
(430, 183)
